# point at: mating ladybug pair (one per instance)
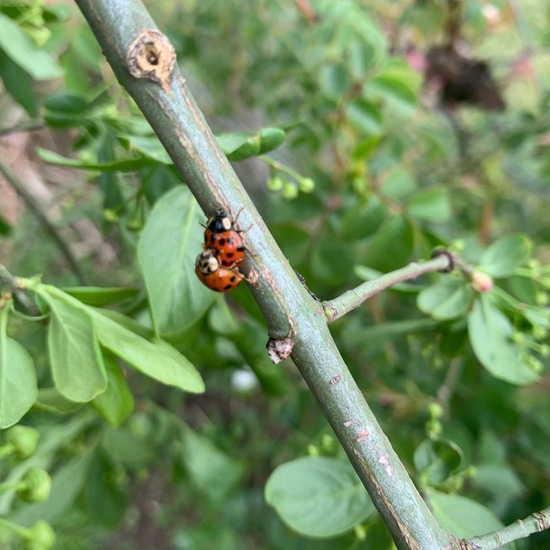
(217, 266)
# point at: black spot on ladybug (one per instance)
(230, 254)
(232, 279)
(240, 248)
(222, 242)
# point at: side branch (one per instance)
(539, 521)
(351, 299)
(44, 220)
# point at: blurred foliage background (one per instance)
(409, 125)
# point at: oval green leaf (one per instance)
(505, 254)
(318, 497)
(18, 389)
(75, 356)
(490, 335)
(167, 249)
(447, 299)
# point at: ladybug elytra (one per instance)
(215, 276)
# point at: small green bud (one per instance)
(481, 281)
(435, 410)
(24, 440)
(41, 537)
(35, 485)
(306, 185)
(312, 450)
(275, 184)
(290, 191)
(542, 298)
(110, 215)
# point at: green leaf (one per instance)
(157, 360)
(97, 296)
(447, 299)
(392, 245)
(270, 139)
(19, 47)
(116, 403)
(317, 496)
(18, 389)
(106, 499)
(504, 255)
(432, 205)
(335, 80)
(490, 335)
(211, 470)
(67, 103)
(363, 220)
(75, 357)
(461, 516)
(397, 184)
(365, 148)
(123, 165)
(365, 116)
(19, 85)
(148, 146)
(436, 460)
(167, 249)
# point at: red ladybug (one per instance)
(213, 275)
(222, 237)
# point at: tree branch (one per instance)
(352, 299)
(44, 220)
(292, 315)
(539, 521)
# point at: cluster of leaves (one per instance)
(366, 177)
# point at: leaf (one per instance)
(436, 460)
(212, 471)
(18, 389)
(335, 80)
(123, 165)
(392, 246)
(116, 403)
(398, 183)
(432, 205)
(461, 516)
(75, 357)
(490, 335)
(19, 47)
(505, 254)
(447, 299)
(365, 116)
(317, 496)
(96, 296)
(167, 249)
(18, 84)
(270, 139)
(156, 360)
(148, 146)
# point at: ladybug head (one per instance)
(206, 262)
(219, 222)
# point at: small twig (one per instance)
(351, 299)
(26, 126)
(45, 221)
(539, 521)
(16, 287)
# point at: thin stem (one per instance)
(26, 126)
(44, 220)
(539, 521)
(352, 299)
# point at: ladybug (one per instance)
(213, 275)
(222, 237)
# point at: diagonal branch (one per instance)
(141, 60)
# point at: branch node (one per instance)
(152, 56)
(443, 252)
(279, 349)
